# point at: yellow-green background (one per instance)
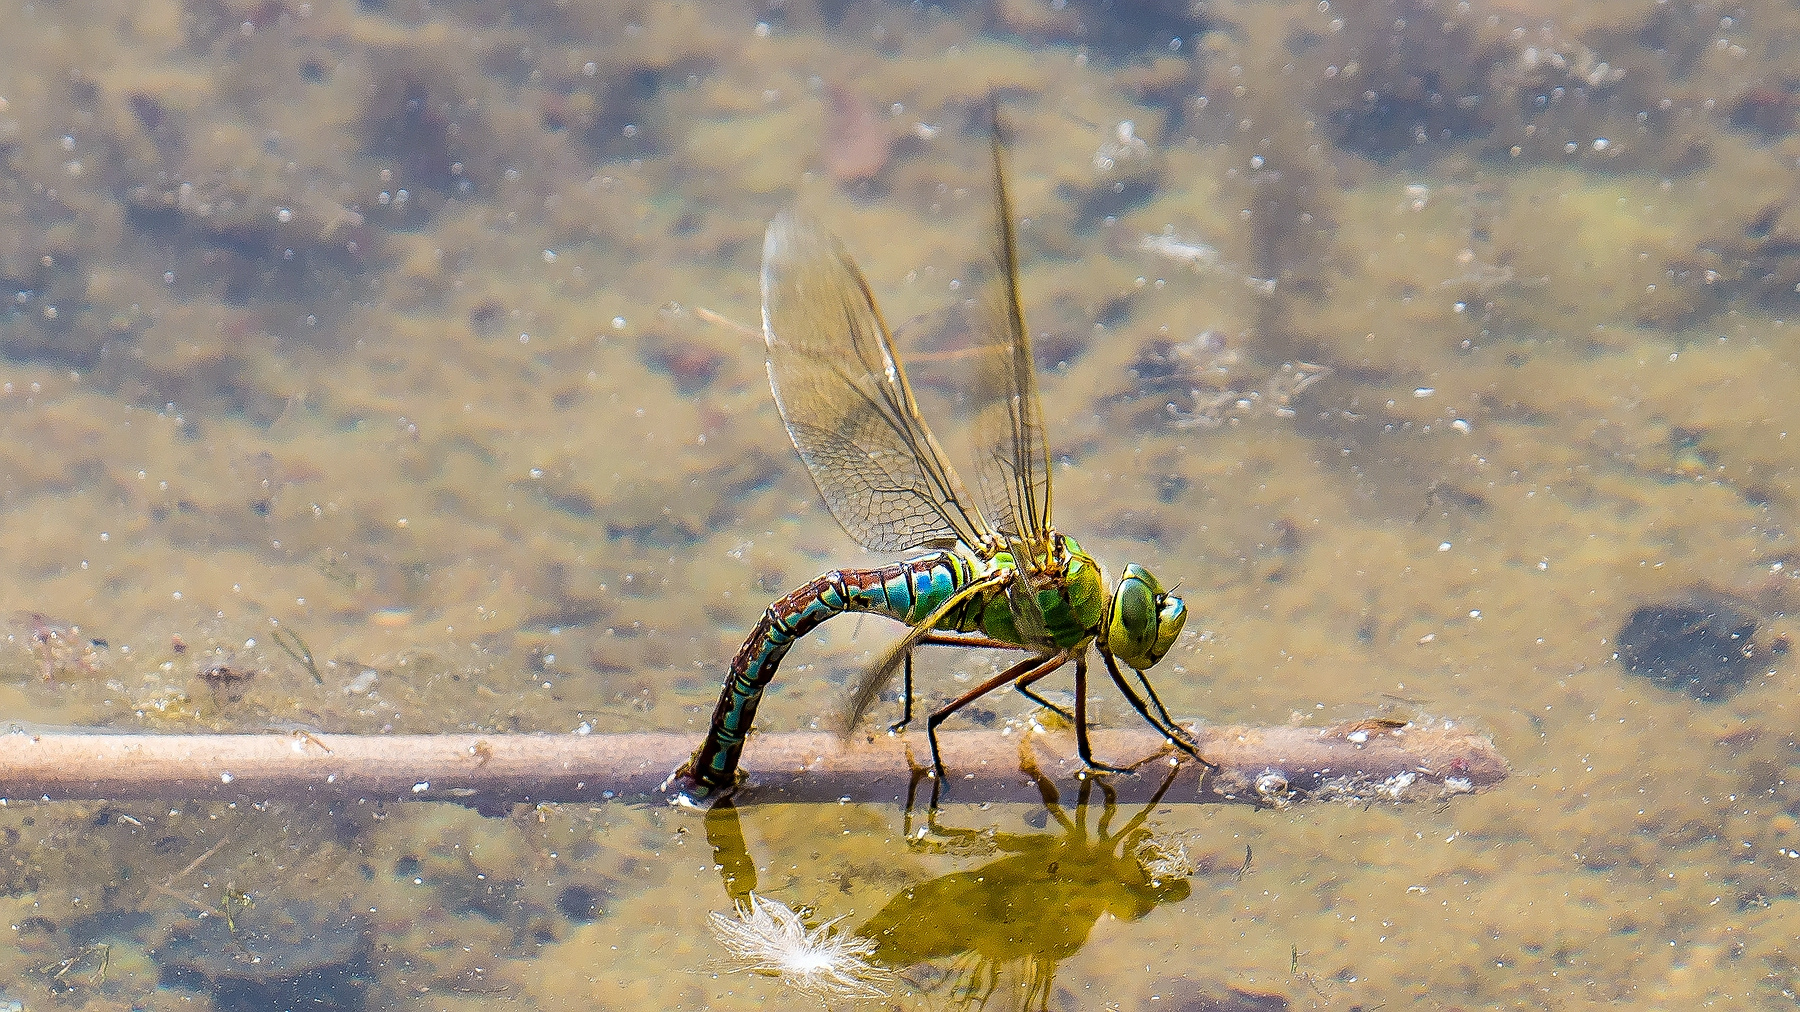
(478, 443)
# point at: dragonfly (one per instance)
(994, 573)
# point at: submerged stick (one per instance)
(1264, 765)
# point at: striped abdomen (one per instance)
(905, 591)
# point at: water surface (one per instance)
(1440, 353)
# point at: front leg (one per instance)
(1167, 727)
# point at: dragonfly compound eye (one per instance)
(1171, 616)
(1144, 621)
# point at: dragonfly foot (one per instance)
(1185, 742)
(940, 779)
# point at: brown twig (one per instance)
(1258, 765)
(166, 888)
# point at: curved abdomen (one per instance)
(905, 591)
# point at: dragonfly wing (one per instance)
(844, 397)
(1012, 451)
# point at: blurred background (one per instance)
(362, 369)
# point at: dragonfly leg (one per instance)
(1167, 727)
(1082, 748)
(989, 643)
(1023, 685)
(971, 643)
(966, 640)
(906, 697)
(1026, 668)
(1041, 701)
(1164, 711)
(975, 642)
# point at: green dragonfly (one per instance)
(997, 575)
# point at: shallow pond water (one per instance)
(361, 369)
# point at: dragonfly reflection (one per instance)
(1010, 922)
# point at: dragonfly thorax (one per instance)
(1137, 621)
(1052, 595)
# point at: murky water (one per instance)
(1440, 353)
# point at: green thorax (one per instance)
(1069, 591)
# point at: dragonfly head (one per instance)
(1143, 621)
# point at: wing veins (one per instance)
(1015, 459)
(846, 401)
(902, 416)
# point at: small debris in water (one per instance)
(1194, 254)
(225, 674)
(1272, 788)
(1123, 145)
(1165, 859)
(773, 940)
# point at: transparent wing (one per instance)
(1011, 451)
(1013, 456)
(844, 396)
